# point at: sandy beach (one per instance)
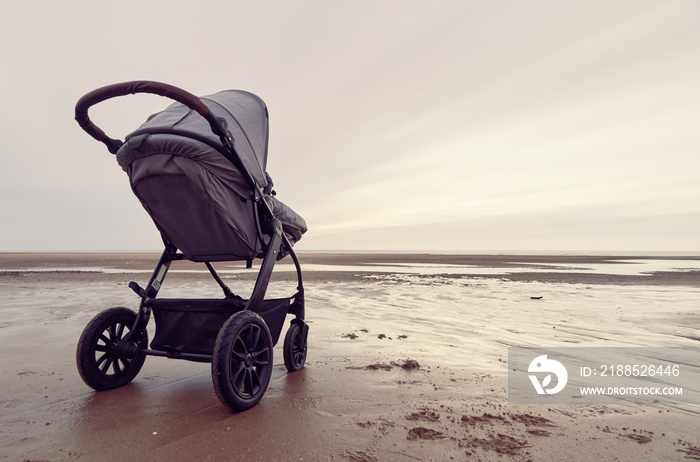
(407, 361)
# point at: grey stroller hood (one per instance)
(197, 195)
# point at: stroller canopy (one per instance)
(195, 194)
(247, 118)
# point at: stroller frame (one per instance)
(113, 346)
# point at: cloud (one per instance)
(402, 125)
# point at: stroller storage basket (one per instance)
(191, 325)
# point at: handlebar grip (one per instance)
(130, 88)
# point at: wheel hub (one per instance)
(248, 360)
(123, 349)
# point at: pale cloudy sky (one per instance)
(395, 125)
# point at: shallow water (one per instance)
(614, 267)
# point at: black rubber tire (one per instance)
(293, 351)
(241, 366)
(98, 366)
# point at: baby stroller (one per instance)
(199, 170)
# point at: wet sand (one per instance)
(401, 366)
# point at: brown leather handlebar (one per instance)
(130, 88)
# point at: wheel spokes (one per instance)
(105, 367)
(117, 366)
(298, 353)
(249, 357)
(108, 363)
(253, 338)
(260, 358)
(259, 350)
(125, 362)
(102, 359)
(119, 331)
(237, 376)
(298, 357)
(252, 381)
(239, 350)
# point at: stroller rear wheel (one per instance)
(294, 350)
(105, 360)
(242, 361)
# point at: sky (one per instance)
(398, 125)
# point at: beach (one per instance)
(407, 360)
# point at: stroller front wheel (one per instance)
(294, 350)
(103, 357)
(242, 361)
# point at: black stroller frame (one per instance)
(235, 335)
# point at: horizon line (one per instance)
(656, 253)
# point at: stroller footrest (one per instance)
(140, 291)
